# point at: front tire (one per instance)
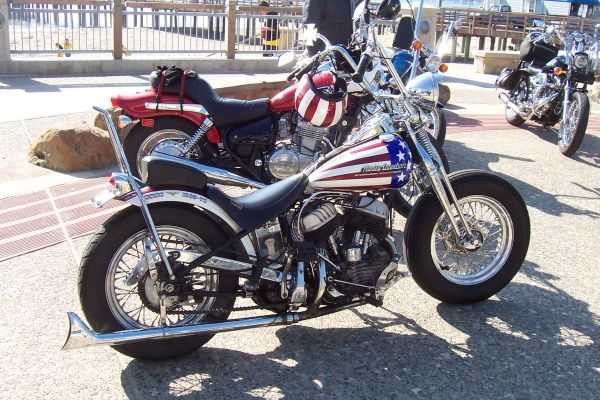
(439, 125)
(113, 251)
(574, 130)
(512, 117)
(444, 268)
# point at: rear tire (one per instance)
(94, 277)
(578, 121)
(439, 133)
(428, 234)
(168, 127)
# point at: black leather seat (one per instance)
(256, 208)
(224, 112)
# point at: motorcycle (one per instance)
(161, 276)
(549, 88)
(264, 140)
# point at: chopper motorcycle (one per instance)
(161, 276)
(549, 88)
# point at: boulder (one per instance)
(72, 148)
(252, 91)
(444, 94)
(114, 113)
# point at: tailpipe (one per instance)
(81, 336)
(510, 104)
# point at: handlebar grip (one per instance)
(365, 59)
(298, 73)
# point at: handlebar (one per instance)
(365, 59)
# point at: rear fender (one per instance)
(134, 105)
(197, 201)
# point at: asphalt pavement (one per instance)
(539, 338)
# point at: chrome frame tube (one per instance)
(195, 108)
(120, 154)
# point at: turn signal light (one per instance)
(443, 68)
(417, 45)
(597, 79)
(558, 70)
(148, 122)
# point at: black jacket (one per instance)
(333, 18)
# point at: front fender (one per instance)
(196, 200)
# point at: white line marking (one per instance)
(74, 252)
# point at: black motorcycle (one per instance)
(549, 88)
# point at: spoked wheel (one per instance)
(573, 130)
(110, 304)
(404, 198)
(464, 269)
(168, 136)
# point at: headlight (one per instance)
(580, 61)
(433, 63)
(426, 88)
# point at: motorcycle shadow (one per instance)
(462, 157)
(588, 153)
(531, 341)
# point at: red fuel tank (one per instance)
(284, 100)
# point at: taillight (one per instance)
(112, 181)
(148, 122)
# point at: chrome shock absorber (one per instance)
(198, 135)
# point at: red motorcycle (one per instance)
(261, 139)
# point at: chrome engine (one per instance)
(306, 144)
(355, 235)
(545, 90)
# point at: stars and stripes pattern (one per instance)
(367, 166)
(315, 110)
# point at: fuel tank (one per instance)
(383, 162)
(284, 100)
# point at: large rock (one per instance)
(252, 90)
(114, 114)
(74, 148)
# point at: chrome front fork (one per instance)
(565, 111)
(441, 185)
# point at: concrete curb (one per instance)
(130, 66)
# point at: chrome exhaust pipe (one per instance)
(81, 336)
(510, 104)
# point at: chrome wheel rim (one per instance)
(126, 303)
(570, 125)
(165, 141)
(491, 223)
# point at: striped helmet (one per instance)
(321, 99)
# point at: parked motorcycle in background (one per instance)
(549, 88)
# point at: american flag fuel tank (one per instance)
(381, 163)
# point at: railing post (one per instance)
(4, 41)
(230, 10)
(117, 29)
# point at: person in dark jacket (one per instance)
(332, 18)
